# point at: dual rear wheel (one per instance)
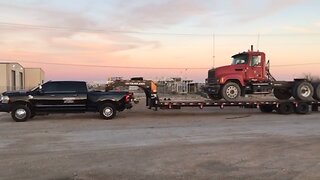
(301, 90)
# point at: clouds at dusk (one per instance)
(99, 32)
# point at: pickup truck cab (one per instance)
(63, 97)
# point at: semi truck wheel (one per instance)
(316, 94)
(108, 111)
(266, 108)
(285, 108)
(282, 94)
(302, 108)
(303, 91)
(20, 113)
(231, 91)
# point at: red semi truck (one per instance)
(249, 74)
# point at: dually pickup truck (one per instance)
(63, 97)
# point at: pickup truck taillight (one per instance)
(127, 99)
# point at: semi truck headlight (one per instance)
(4, 99)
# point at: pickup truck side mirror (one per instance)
(40, 91)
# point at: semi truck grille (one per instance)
(211, 77)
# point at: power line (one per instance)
(290, 65)
(104, 66)
(141, 67)
(45, 27)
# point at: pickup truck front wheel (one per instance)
(20, 113)
(108, 111)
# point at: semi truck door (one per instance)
(255, 69)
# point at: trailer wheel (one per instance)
(285, 108)
(231, 91)
(266, 108)
(316, 94)
(21, 113)
(303, 91)
(107, 111)
(215, 97)
(302, 108)
(282, 94)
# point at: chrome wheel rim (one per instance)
(232, 92)
(305, 91)
(20, 114)
(107, 112)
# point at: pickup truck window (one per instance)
(79, 87)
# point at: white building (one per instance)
(11, 76)
(15, 77)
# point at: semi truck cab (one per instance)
(249, 74)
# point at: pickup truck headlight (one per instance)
(4, 99)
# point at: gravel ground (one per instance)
(174, 144)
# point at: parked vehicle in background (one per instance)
(63, 97)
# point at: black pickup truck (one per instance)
(63, 97)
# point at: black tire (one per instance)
(20, 113)
(266, 108)
(303, 91)
(302, 108)
(107, 111)
(231, 91)
(285, 108)
(282, 94)
(215, 97)
(316, 94)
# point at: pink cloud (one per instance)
(159, 13)
(248, 10)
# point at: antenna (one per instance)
(258, 41)
(213, 50)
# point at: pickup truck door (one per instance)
(60, 96)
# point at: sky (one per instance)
(95, 39)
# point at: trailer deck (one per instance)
(267, 106)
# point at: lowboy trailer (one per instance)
(267, 106)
